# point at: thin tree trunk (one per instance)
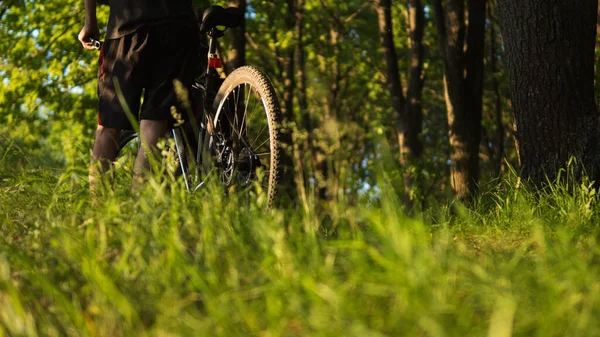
(287, 74)
(236, 52)
(412, 109)
(301, 66)
(407, 110)
(463, 86)
(597, 63)
(394, 84)
(474, 86)
(289, 80)
(303, 151)
(334, 91)
(325, 189)
(498, 140)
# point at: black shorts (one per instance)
(146, 61)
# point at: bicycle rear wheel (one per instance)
(246, 129)
(127, 149)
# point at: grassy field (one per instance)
(169, 263)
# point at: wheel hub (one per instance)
(240, 166)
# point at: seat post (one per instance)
(212, 48)
(213, 62)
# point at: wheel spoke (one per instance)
(250, 134)
(236, 104)
(250, 123)
(226, 113)
(258, 136)
(263, 143)
(245, 111)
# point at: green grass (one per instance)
(169, 263)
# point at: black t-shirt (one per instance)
(127, 16)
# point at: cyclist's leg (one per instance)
(151, 131)
(103, 153)
(119, 92)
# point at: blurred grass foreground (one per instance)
(515, 262)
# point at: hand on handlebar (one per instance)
(95, 44)
(89, 37)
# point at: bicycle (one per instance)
(224, 137)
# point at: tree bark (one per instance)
(550, 57)
(597, 63)
(474, 86)
(303, 151)
(413, 109)
(301, 65)
(386, 36)
(236, 51)
(287, 74)
(463, 84)
(498, 139)
(289, 82)
(407, 110)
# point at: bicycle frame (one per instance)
(211, 82)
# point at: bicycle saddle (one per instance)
(214, 16)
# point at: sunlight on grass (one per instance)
(170, 263)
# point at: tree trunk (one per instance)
(550, 57)
(413, 110)
(287, 74)
(498, 139)
(407, 111)
(474, 86)
(236, 52)
(289, 82)
(303, 150)
(301, 65)
(597, 63)
(391, 60)
(463, 83)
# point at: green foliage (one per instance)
(47, 84)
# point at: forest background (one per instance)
(350, 77)
(327, 61)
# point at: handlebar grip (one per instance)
(95, 43)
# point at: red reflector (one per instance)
(214, 62)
